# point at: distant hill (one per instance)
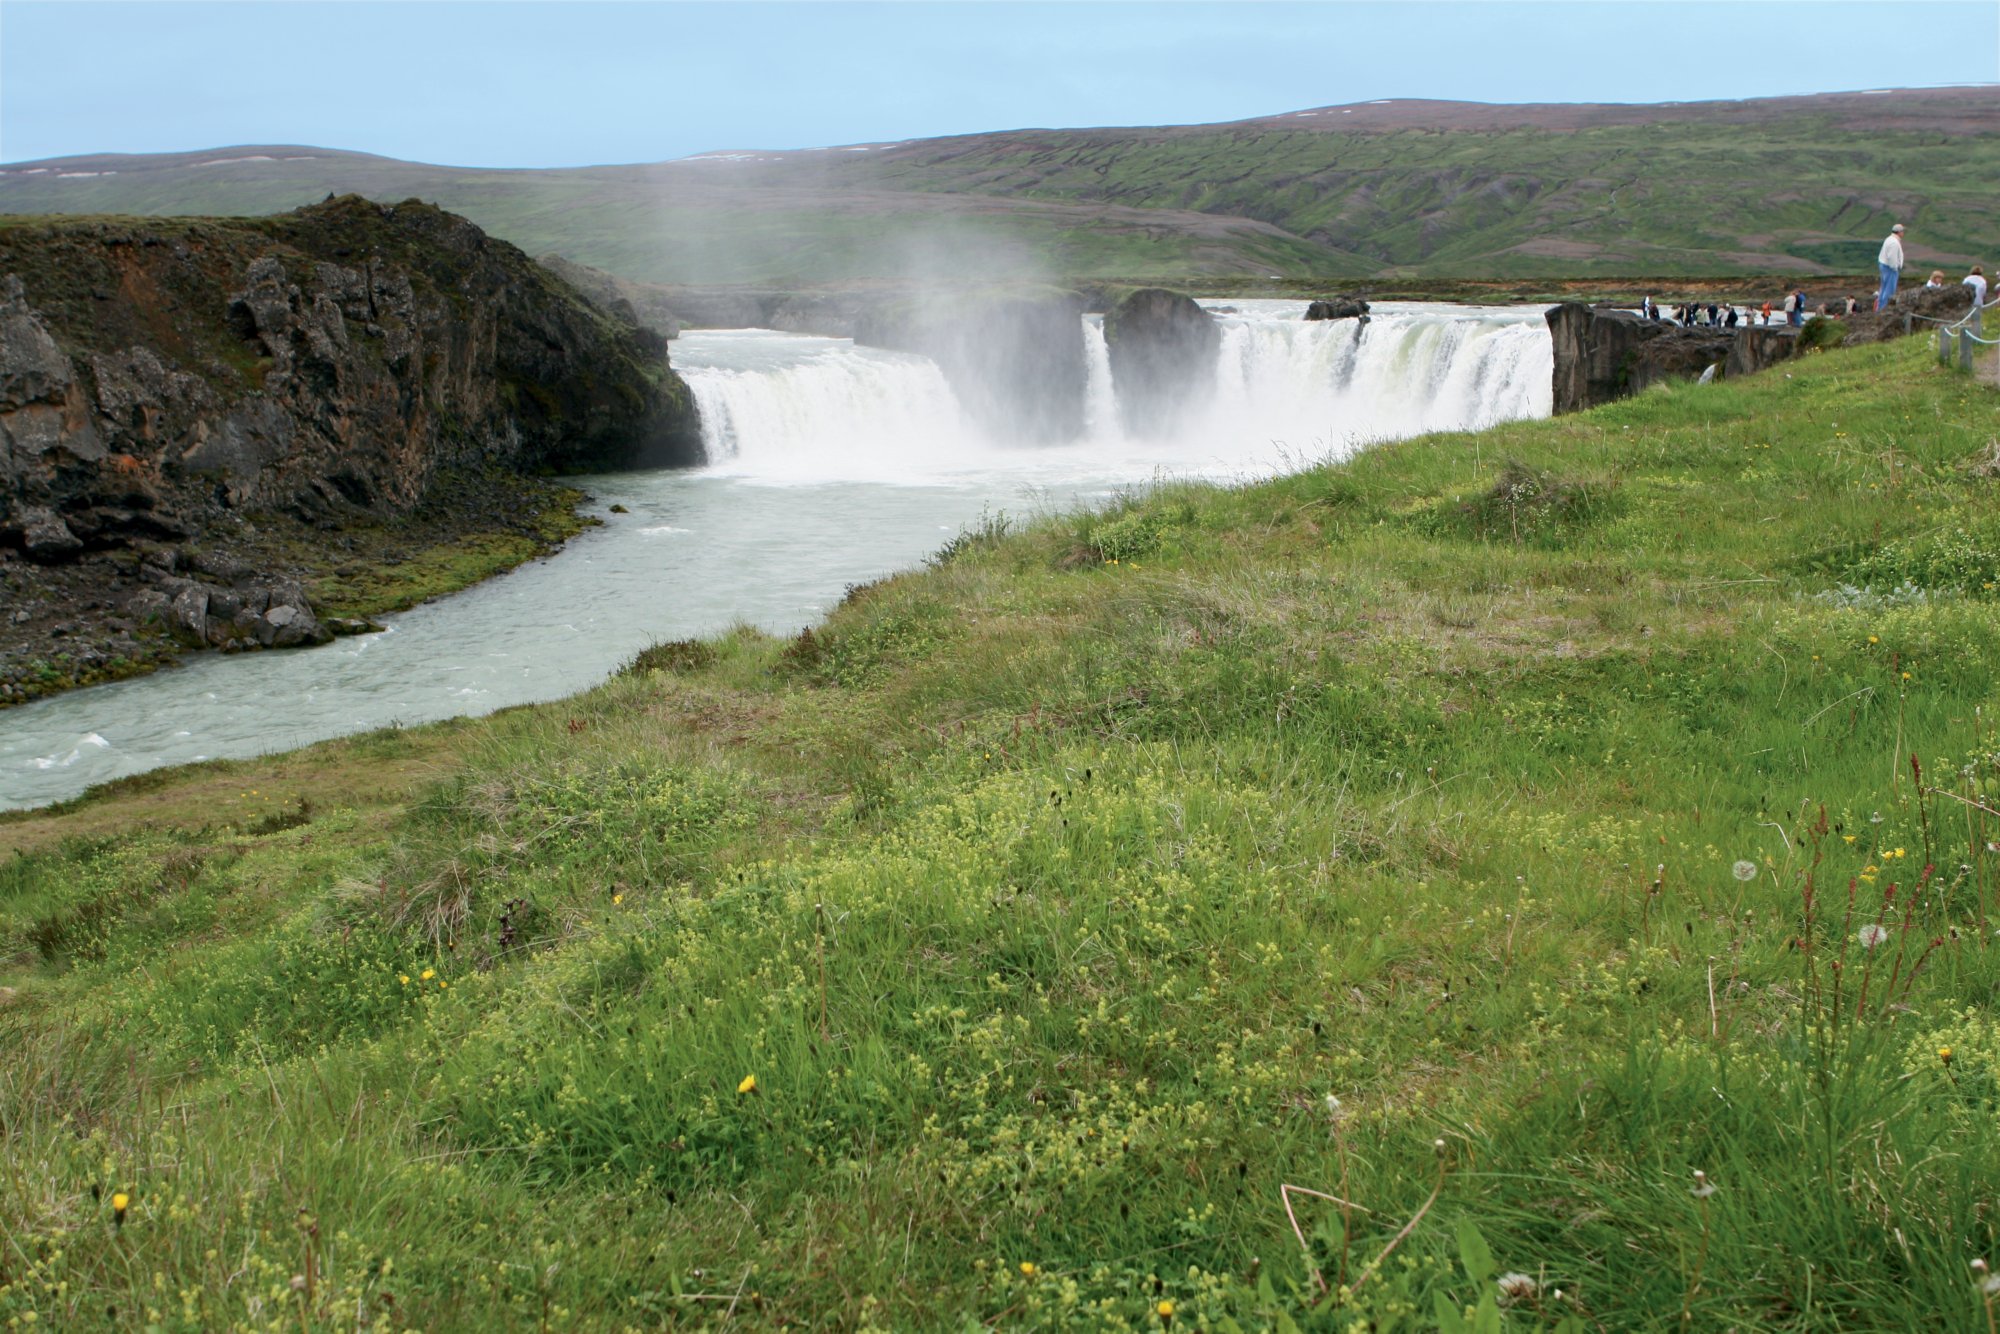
(1398, 188)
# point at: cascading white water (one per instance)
(1287, 392)
(805, 409)
(1311, 390)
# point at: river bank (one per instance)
(65, 625)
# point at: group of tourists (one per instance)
(1793, 310)
(1727, 315)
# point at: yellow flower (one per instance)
(1944, 1054)
(427, 974)
(120, 1202)
(617, 899)
(1870, 869)
(404, 978)
(1900, 852)
(442, 984)
(1906, 676)
(1848, 837)
(749, 1085)
(1027, 1269)
(1873, 639)
(1166, 1310)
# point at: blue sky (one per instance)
(527, 84)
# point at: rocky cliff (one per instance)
(1603, 354)
(166, 384)
(1163, 348)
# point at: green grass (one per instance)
(989, 956)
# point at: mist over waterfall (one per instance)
(1287, 393)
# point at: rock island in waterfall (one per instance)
(1375, 717)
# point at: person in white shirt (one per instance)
(1976, 280)
(1890, 261)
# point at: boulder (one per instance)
(1338, 308)
(1163, 349)
(45, 538)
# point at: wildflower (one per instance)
(1898, 853)
(120, 1202)
(1166, 1310)
(1989, 1284)
(1516, 1288)
(1332, 1106)
(1744, 870)
(1702, 1187)
(427, 974)
(1028, 1269)
(617, 899)
(1944, 1054)
(403, 978)
(1874, 639)
(1871, 935)
(749, 1085)
(1848, 837)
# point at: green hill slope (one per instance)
(1503, 834)
(1799, 185)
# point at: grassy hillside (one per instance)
(1405, 189)
(1570, 846)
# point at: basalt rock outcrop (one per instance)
(165, 383)
(1015, 359)
(1163, 348)
(1602, 354)
(1338, 308)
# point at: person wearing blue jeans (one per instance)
(1890, 261)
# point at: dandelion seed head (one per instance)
(1702, 1187)
(1871, 935)
(1516, 1287)
(1744, 870)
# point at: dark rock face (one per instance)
(194, 380)
(332, 358)
(1603, 354)
(1163, 349)
(1338, 308)
(1014, 359)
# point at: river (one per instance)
(830, 465)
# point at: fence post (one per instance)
(1944, 346)
(1909, 322)
(1965, 349)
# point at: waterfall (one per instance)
(1287, 393)
(1324, 388)
(790, 407)
(1100, 403)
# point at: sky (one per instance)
(541, 84)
